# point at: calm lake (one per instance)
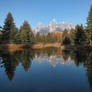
(46, 70)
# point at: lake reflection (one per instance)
(46, 70)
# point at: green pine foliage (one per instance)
(11, 34)
(9, 29)
(89, 20)
(89, 27)
(72, 36)
(65, 38)
(66, 41)
(25, 33)
(80, 36)
(51, 38)
(37, 37)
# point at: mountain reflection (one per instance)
(10, 60)
(53, 60)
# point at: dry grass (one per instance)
(16, 47)
(41, 45)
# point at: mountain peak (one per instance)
(53, 26)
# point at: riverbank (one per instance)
(16, 47)
(41, 45)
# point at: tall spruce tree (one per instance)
(72, 36)
(9, 29)
(26, 34)
(80, 37)
(89, 26)
(65, 38)
(37, 37)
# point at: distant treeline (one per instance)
(81, 35)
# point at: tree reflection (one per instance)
(25, 57)
(10, 60)
(83, 56)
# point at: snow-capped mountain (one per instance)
(53, 60)
(53, 26)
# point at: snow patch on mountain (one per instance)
(53, 26)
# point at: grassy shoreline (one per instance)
(15, 47)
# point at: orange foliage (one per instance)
(57, 34)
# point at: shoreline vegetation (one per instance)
(15, 47)
(37, 46)
(12, 38)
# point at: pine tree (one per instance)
(37, 37)
(9, 29)
(65, 38)
(26, 34)
(18, 38)
(80, 37)
(66, 41)
(51, 38)
(89, 26)
(72, 36)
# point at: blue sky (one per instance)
(43, 11)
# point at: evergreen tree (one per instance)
(51, 38)
(18, 37)
(9, 29)
(80, 37)
(65, 38)
(72, 36)
(37, 37)
(48, 37)
(66, 41)
(89, 26)
(25, 33)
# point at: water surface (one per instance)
(46, 70)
